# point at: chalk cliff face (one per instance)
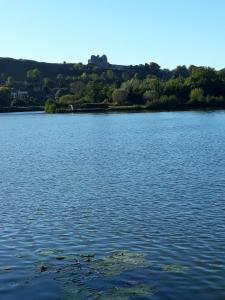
(102, 62)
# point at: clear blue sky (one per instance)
(169, 32)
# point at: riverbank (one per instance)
(134, 108)
(21, 109)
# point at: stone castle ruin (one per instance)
(102, 62)
(98, 60)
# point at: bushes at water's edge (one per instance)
(164, 103)
(50, 106)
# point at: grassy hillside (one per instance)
(17, 68)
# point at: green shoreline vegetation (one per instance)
(102, 87)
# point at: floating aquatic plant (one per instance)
(42, 268)
(76, 292)
(60, 257)
(119, 262)
(21, 255)
(175, 268)
(6, 269)
(75, 272)
(126, 293)
(88, 257)
(48, 252)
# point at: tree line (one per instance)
(146, 85)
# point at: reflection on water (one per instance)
(119, 206)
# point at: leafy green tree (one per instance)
(206, 79)
(50, 106)
(78, 88)
(180, 71)
(84, 77)
(60, 80)
(5, 97)
(150, 95)
(154, 69)
(153, 85)
(10, 82)
(110, 76)
(96, 91)
(48, 83)
(78, 67)
(69, 79)
(61, 92)
(119, 96)
(125, 76)
(34, 75)
(196, 96)
(134, 87)
(2, 77)
(213, 101)
(178, 88)
(67, 100)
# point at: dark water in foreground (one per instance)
(142, 196)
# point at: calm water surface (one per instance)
(150, 185)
